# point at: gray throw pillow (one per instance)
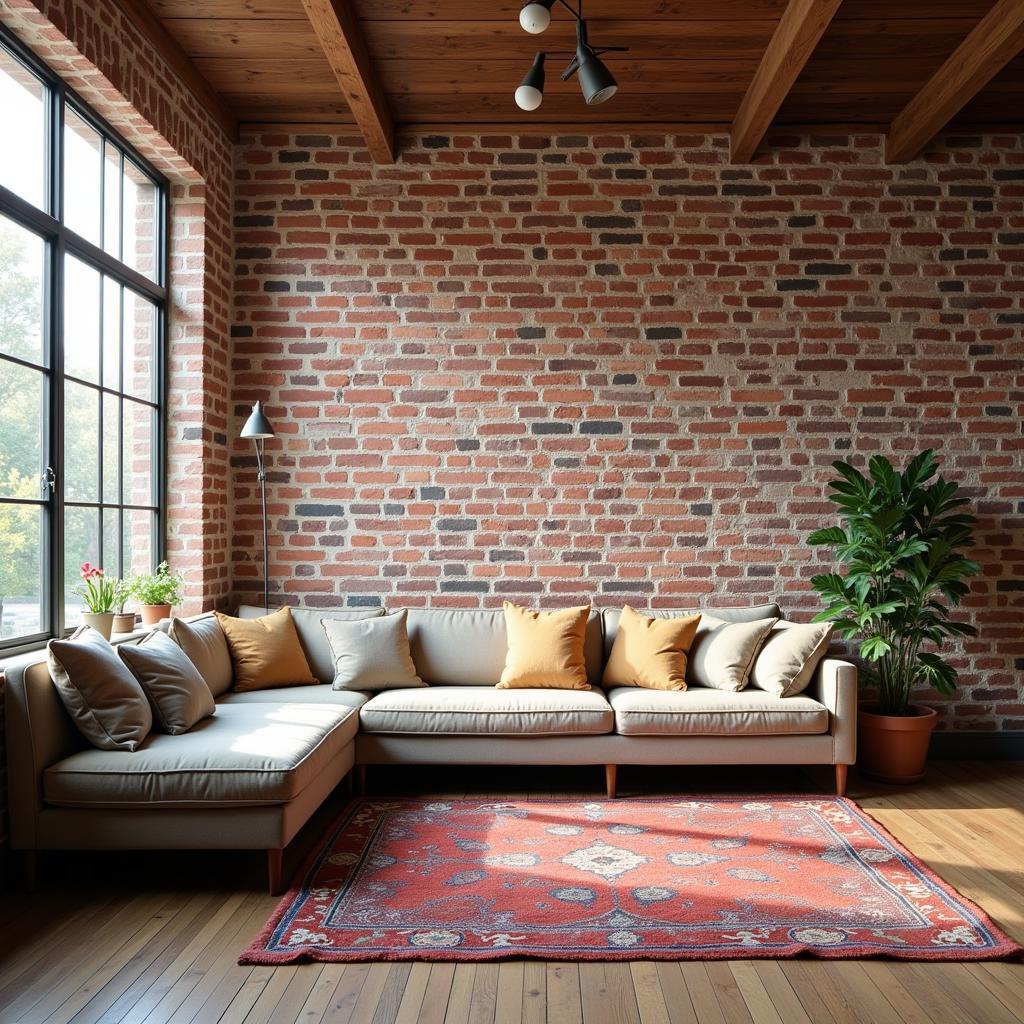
(790, 655)
(177, 692)
(722, 653)
(372, 654)
(207, 648)
(102, 697)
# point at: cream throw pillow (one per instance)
(545, 649)
(177, 692)
(650, 653)
(722, 652)
(372, 654)
(789, 657)
(266, 652)
(102, 697)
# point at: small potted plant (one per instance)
(124, 622)
(99, 592)
(157, 593)
(902, 544)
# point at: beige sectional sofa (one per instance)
(251, 776)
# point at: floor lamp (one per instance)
(257, 429)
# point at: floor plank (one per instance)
(151, 939)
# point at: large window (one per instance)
(82, 314)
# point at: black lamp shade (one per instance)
(257, 426)
(531, 89)
(596, 80)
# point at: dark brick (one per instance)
(459, 525)
(320, 510)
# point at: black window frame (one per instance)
(60, 241)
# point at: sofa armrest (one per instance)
(835, 685)
(39, 733)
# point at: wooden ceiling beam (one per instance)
(802, 24)
(991, 45)
(164, 44)
(337, 27)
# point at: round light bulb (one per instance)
(535, 18)
(528, 98)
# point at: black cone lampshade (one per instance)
(596, 80)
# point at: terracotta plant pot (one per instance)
(102, 622)
(894, 748)
(153, 613)
(124, 622)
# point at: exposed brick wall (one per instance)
(97, 49)
(559, 370)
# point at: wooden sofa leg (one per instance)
(841, 779)
(361, 779)
(274, 864)
(610, 771)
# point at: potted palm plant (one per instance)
(157, 592)
(99, 592)
(902, 546)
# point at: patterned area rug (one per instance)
(661, 879)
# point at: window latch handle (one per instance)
(48, 482)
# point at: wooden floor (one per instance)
(154, 937)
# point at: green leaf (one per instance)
(875, 647)
(829, 535)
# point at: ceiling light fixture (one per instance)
(596, 82)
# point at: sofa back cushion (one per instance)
(312, 637)
(467, 646)
(610, 617)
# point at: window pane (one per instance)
(111, 449)
(112, 200)
(81, 442)
(81, 544)
(140, 221)
(21, 587)
(23, 131)
(111, 334)
(138, 453)
(81, 320)
(111, 540)
(140, 333)
(22, 270)
(21, 430)
(139, 528)
(83, 152)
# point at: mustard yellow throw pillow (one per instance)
(650, 652)
(266, 651)
(545, 649)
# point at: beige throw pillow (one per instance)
(722, 652)
(177, 692)
(372, 654)
(789, 657)
(650, 652)
(204, 643)
(266, 652)
(102, 697)
(545, 649)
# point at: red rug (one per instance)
(662, 879)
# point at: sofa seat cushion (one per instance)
(486, 711)
(320, 694)
(702, 711)
(244, 755)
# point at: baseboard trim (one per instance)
(977, 746)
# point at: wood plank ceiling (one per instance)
(442, 65)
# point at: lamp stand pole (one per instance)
(262, 476)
